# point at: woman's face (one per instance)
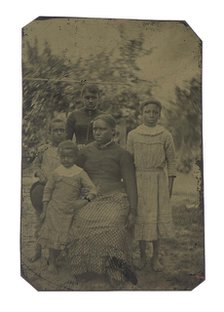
(102, 132)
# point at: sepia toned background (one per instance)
(207, 23)
(130, 61)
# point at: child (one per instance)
(45, 162)
(79, 122)
(61, 200)
(154, 157)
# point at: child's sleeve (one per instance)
(130, 143)
(170, 155)
(87, 184)
(48, 189)
(70, 126)
(37, 162)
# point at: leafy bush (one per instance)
(52, 84)
(183, 118)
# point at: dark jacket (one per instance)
(80, 123)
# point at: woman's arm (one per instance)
(128, 175)
(88, 186)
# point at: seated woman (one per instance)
(101, 227)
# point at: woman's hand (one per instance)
(130, 221)
(90, 197)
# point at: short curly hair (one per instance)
(151, 101)
(56, 121)
(91, 88)
(68, 146)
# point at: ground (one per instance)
(183, 256)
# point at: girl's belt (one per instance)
(159, 169)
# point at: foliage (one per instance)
(53, 84)
(184, 120)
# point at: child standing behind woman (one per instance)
(45, 162)
(61, 199)
(154, 156)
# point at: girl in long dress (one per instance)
(154, 157)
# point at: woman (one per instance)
(102, 226)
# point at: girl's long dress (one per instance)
(62, 189)
(154, 158)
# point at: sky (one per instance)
(175, 58)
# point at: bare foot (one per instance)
(157, 266)
(142, 263)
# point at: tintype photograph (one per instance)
(112, 162)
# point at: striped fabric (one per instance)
(154, 219)
(154, 157)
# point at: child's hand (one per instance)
(43, 213)
(171, 180)
(40, 174)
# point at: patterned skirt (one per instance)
(101, 236)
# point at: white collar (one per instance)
(143, 129)
(68, 172)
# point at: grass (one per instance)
(183, 256)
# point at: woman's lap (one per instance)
(100, 233)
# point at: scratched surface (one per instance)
(183, 256)
(129, 60)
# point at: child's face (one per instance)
(151, 115)
(67, 158)
(90, 100)
(57, 133)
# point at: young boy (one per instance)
(62, 198)
(79, 122)
(46, 161)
